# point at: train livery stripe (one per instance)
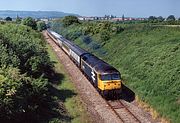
(93, 76)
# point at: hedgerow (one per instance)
(24, 72)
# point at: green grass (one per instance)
(148, 58)
(71, 100)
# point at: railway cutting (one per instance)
(101, 110)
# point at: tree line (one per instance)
(29, 21)
(170, 18)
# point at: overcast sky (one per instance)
(130, 8)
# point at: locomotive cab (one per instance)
(109, 81)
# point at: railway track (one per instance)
(122, 112)
(117, 110)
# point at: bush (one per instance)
(19, 94)
(86, 39)
(105, 35)
(26, 50)
(29, 21)
(41, 25)
(24, 70)
(69, 20)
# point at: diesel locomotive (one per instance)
(103, 76)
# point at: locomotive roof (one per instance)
(99, 65)
(67, 42)
(79, 51)
(104, 68)
(55, 34)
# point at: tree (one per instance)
(123, 17)
(41, 25)
(152, 19)
(104, 35)
(29, 21)
(171, 18)
(8, 19)
(20, 94)
(69, 20)
(18, 20)
(160, 19)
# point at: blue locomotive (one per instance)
(103, 76)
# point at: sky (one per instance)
(130, 8)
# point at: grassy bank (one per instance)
(72, 108)
(148, 58)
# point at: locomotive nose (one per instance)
(112, 85)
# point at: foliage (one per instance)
(30, 90)
(160, 19)
(154, 19)
(29, 21)
(8, 19)
(19, 94)
(25, 68)
(41, 25)
(104, 35)
(18, 20)
(8, 57)
(69, 20)
(171, 18)
(27, 48)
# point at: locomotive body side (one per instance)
(105, 77)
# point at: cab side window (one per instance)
(84, 58)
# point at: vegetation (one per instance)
(146, 55)
(18, 20)
(154, 19)
(69, 20)
(29, 21)
(24, 67)
(73, 107)
(171, 18)
(41, 25)
(8, 19)
(27, 80)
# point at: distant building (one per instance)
(45, 20)
(81, 18)
(117, 19)
(86, 18)
(111, 18)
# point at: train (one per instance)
(105, 78)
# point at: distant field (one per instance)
(148, 58)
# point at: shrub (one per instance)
(29, 21)
(105, 35)
(69, 20)
(19, 94)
